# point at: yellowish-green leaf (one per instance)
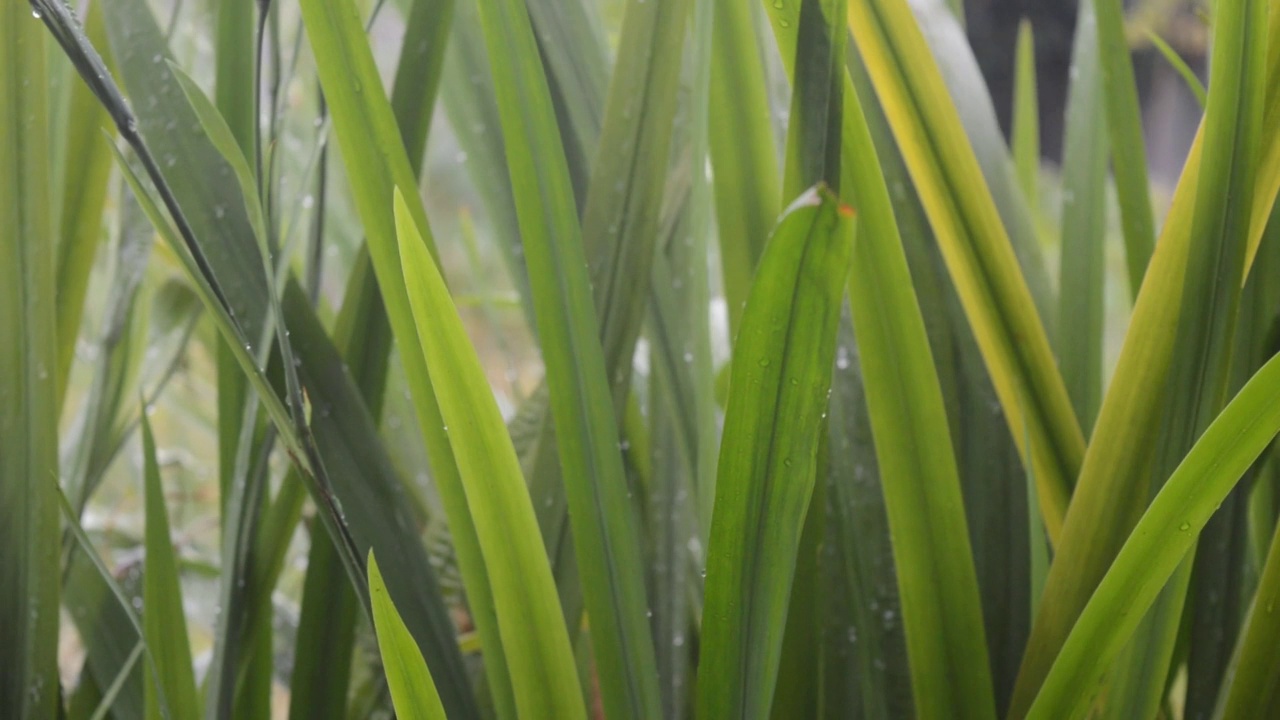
(413, 692)
(539, 658)
(974, 245)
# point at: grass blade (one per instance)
(974, 244)
(28, 366)
(1084, 225)
(1124, 128)
(376, 162)
(1179, 65)
(539, 657)
(781, 374)
(1160, 541)
(1255, 669)
(1026, 117)
(937, 582)
(1113, 489)
(743, 154)
(604, 533)
(86, 175)
(164, 621)
(412, 690)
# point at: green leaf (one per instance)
(1084, 226)
(28, 376)
(781, 375)
(743, 154)
(1180, 66)
(413, 692)
(376, 162)
(1113, 488)
(164, 620)
(1200, 377)
(974, 244)
(538, 653)
(84, 196)
(1124, 128)
(605, 537)
(1026, 117)
(1159, 543)
(1255, 668)
(937, 581)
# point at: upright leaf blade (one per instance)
(538, 653)
(1124, 127)
(781, 375)
(605, 537)
(171, 687)
(1084, 216)
(376, 162)
(974, 244)
(1026, 117)
(28, 365)
(413, 692)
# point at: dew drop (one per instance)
(35, 14)
(1184, 526)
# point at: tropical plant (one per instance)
(729, 381)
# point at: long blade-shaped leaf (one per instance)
(974, 244)
(28, 366)
(1084, 224)
(781, 375)
(1026, 117)
(164, 620)
(1124, 127)
(376, 162)
(936, 577)
(742, 149)
(1112, 490)
(1254, 672)
(413, 692)
(88, 168)
(1200, 377)
(1162, 538)
(539, 657)
(605, 537)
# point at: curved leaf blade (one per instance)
(1160, 541)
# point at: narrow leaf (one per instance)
(413, 692)
(28, 368)
(780, 378)
(163, 617)
(1026, 116)
(539, 657)
(1160, 541)
(974, 245)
